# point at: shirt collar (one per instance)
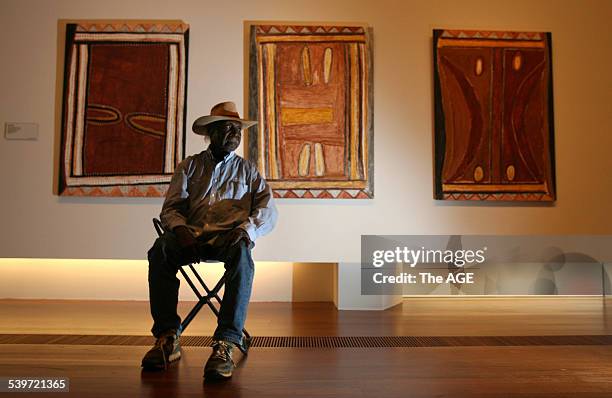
(225, 159)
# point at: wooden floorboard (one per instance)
(455, 316)
(455, 372)
(318, 341)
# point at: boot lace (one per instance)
(165, 339)
(222, 350)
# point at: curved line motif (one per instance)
(517, 114)
(447, 110)
(105, 114)
(134, 120)
(475, 108)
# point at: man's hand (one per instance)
(236, 235)
(188, 243)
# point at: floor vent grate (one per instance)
(319, 341)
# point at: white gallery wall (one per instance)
(35, 223)
(82, 279)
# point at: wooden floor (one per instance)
(455, 316)
(479, 371)
(420, 372)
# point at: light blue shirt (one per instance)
(210, 197)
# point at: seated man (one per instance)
(216, 206)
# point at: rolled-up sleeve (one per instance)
(263, 216)
(175, 208)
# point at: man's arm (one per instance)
(174, 212)
(263, 210)
(176, 205)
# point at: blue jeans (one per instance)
(165, 258)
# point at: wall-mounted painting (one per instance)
(123, 120)
(310, 87)
(494, 137)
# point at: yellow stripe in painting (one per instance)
(292, 116)
(260, 126)
(271, 109)
(364, 111)
(354, 121)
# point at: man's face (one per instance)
(225, 135)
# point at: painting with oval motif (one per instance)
(494, 136)
(310, 88)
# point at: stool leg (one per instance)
(201, 301)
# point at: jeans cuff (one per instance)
(157, 330)
(231, 337)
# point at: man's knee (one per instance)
(241, 248)
(240, 255)
(165, 253)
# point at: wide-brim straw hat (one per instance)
(222, 111)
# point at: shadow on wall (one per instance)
(570, 273)
(607, 282)
(562, 274)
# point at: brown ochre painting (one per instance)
(310, 87)
(123, 120)
(494, 137)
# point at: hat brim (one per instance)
(199, 126)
